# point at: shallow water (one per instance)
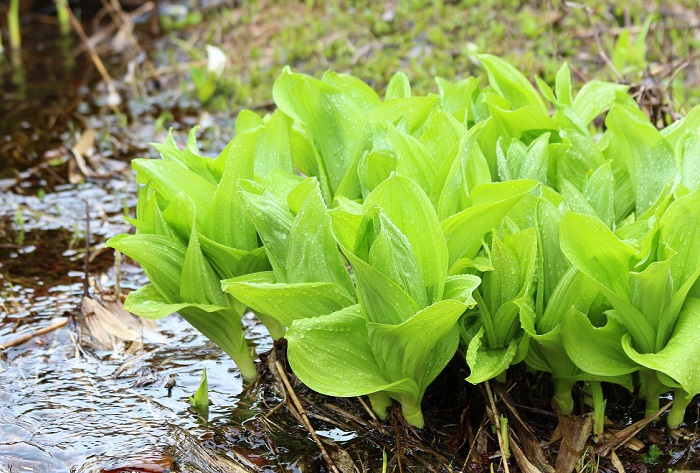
(61, 408)
(61, 405)
(64, 406)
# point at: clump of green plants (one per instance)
(378, 235)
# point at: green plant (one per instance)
(180, 17)
(13, 26)
(19, 224)
(628, 57)
(504, 435)
(308, 277)
(652, 457)
(63, 14)
(376, 235)
(589, 461)
(200, 400)
(202, 236)
(404, 329)
(206, 80)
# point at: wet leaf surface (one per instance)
(67, 403)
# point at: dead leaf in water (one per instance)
(86, 143)
(341, 458)
(143, 462)
(83, 149)
(109, 324)
(87, 163)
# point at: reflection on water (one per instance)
(61, 407)
(64, 407)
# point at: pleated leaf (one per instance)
(287, 302)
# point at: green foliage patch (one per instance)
(379, 235)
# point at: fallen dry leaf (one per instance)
(109, 324)
(575, 431)
(615, 460)
(630, 431)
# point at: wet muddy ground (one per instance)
(68, 403)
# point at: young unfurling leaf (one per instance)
(504, 296)
(200, 400)
(404, 329)
(309, 277)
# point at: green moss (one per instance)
(427, 38)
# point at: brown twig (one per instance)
(275, 409)
(596, 36)
(628, 432)
(371, 414)
(103, 32)
(491, 408)
(36, 333)
(357, 422)
(295, 404)
(674, 72)
(125, 23)
(117, 274)
(473, 443)
(93, 55)
(86, 281)
(531, 451)
(523, 461)
(399, 452)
